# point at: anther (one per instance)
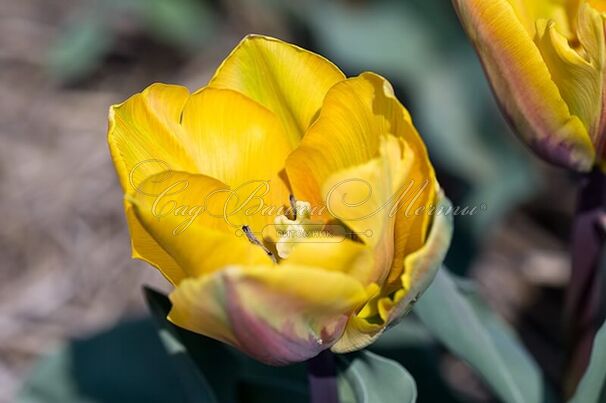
(293, 206)
(255, 241)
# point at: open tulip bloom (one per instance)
(546, 62)
(293, 209)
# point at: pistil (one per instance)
(255, 241)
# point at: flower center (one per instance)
(298, 229)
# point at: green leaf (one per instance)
(80, 49)
(146, 362)
(229, 373)
(472, 332)
(194, 383)
(592, 388)
(124, 364)
(183, 23)
(365, 377)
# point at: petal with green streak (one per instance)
(276, 315)
(420, 268)
(286, 79)
(523, 85)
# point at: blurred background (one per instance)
(65, 271)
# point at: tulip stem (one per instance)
(322, 374)
(583, 310)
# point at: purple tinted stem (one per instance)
(322, 374)
(583, 297)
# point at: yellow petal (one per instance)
(277, 316)
(359, 197)
(561, 12)
(344, 144)
(342, 255)
(420, 268)
(288, 80)
(145, 137)
(355, 114)
(599, 5)
(578, 73)
(233, 138)
(184, 213)
(242, 144)
(145, 248)
(523, 85)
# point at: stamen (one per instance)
(293, 206)
(291, 232)
(253, 239)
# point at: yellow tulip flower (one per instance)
(293, 209)
(546, 61)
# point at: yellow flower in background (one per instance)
(292, 208)
(546, 62)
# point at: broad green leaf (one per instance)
(143, 362)
(124, 364)
(592, 388)
(469, 330)
(365, 377)
(194, 383)
(229, 373)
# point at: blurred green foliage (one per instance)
(185, 25)
(592, 387)
(454, 313)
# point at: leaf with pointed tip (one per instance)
(365, 377)
(459, 319)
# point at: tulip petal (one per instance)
(184, 213)
(564, 15)
(278, 316)
(344, 255)
(145, 138)
(347, 145)
(359, 197)
(286, 79)
(523, 85)
(355, 114)
(226, 132)
(599, 5)
(578, 73)
(242, 144)
(144, 247)
(419, 269)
